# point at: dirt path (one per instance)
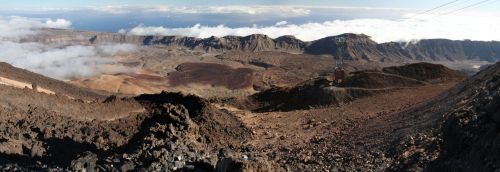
(18, 84)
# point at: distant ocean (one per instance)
(113, 23)
(107, 22)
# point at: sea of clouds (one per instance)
(473, 25)
(56, 61)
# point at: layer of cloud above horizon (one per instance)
(108, 18)
(15, 27)
(473, 26)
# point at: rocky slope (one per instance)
(427, 72)
(78, 130)
(471, 137)
(172, 132)
(411, 75)
(460, 131)
(10, 72)
(400, 130)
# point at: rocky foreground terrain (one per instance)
(255, 104)
(428, 118)
(75, 132)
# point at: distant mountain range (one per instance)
(360, 47)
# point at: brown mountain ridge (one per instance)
(360, 46)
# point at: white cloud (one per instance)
(61, 62)
(251, 10)
(294, 10)
(258, 10)
(357, 8)
(281, 23)
(111, 49)
(122, 31)
(67, 62)
(16, 27)
(59, 23)
(113, 9)
(475, 26)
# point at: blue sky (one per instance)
(421, 4)
(385, 20)
(66, 3)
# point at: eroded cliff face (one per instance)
(251, 43)
(361, 47)
(443, 49)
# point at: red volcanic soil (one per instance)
(147, 77)
(211, 74)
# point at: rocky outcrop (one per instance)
(175, 133)
(115, 38)
(289, 42)
(359, 47)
